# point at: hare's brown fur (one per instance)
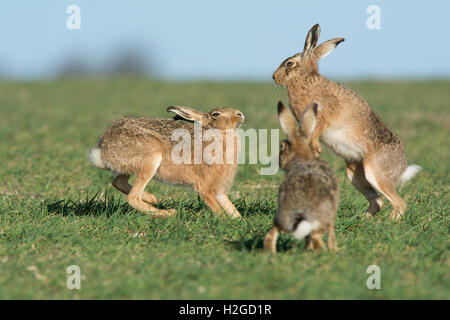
(143, 147)
(348, 125)
(309, 194)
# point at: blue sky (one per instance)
(227, 39)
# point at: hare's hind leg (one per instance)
(332, 244)
(315, 241)
(135, 198)
(120, 182)
(383, 183)
(270, 240)
(355, 173)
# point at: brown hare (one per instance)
(143, 147)
(309, 194)
(373, 153)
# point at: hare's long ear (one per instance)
(327, 47)
(287, 121)
(309, 120)
(187, 113)
(311, 39)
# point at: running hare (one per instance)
(309, 194)
(373, 153)
(144, 146)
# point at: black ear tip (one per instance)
(173, 109)
(315, 108)
(280, 106)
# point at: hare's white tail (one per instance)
(304, 228)
(95, 158)
(410, 173)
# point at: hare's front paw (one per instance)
(316, 148)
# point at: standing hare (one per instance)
(373, 153)
(309, 194)
(144, 146)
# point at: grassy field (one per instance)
(56, 210)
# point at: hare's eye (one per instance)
(284, 145)
(289, 63)
(216, 114)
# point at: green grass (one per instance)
(56, 210)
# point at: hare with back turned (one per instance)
(348, 125)
(309, 194)
(143, 147)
